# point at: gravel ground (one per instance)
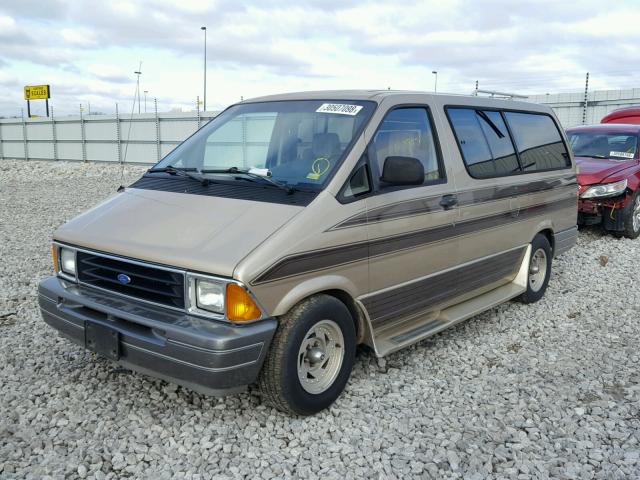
(550, 390)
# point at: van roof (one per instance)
(379, 95)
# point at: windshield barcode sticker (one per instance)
(621, 154)
(341, 108)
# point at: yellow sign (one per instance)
(36, 92)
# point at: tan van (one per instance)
(292, 228)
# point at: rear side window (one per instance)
(484, 141)
(487, 145)
(538, 140)
(505, 160)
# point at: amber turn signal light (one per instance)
(54, 258)
(240, 306)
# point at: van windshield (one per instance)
(609, 145)
(295, 143)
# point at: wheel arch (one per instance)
(548, 232)
(335, 286)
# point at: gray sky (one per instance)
(87, 51)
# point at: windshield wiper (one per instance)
(182, 172)
(590, 156)
(267, 179)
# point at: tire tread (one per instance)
(270, 379)
(529, 296)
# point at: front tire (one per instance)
(539, 269)
(311, 357)
(631, 216)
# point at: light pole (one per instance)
(138, 73)
(145, 100)
(435, 82)
(205, 67)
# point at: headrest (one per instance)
(326, 144)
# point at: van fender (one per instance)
(312, 286)
(547, 228)
(546, 224)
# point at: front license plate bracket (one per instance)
(102, 340)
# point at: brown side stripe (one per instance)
(432, 204)
(389, 212)
(311, 261)
(340, 255)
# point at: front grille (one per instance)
(146, 281)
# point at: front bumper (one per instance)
(206, 356)
(605, 211)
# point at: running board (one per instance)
(407, 333)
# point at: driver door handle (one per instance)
(448, 201)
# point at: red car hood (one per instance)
(596, 170)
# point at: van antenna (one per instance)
(133, 107)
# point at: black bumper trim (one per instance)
(565, 240)
(204, 355)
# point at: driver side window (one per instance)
(407, 132)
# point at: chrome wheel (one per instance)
(320, 356)
(636, 214)
(537, 269)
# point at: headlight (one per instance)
(605, 189)
(210, 295)
(216, 297)
(68, 261)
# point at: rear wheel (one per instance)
(311, 357)
(539, 269)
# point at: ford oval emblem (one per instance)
(123, 279)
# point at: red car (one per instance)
(609, 176)
(623, 115)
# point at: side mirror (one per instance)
(402, 171)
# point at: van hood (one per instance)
(596, 170)
(201, 233)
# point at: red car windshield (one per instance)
(609, 145)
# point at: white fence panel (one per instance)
(139, 153)
(71, 151)
(12, 131)
(68, 129)
(39, 131)
(101, 152)
(570, 107)
(141, 138)
(100, 129)
(13, 150)
(40, 150)
(176, 130)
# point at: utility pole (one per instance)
(475, 93)
(205, 68)
(138, 73)
(145, 100)
(586, 99)
(435, 84)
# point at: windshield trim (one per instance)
(301, 186)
